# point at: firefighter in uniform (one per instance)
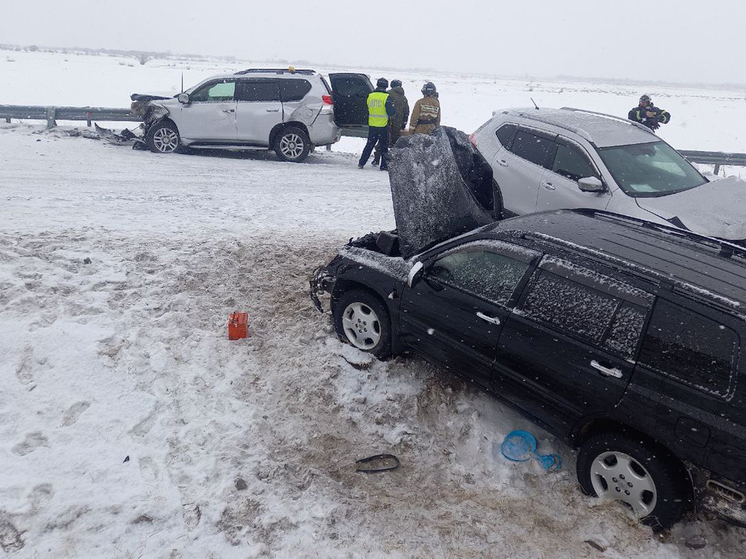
(398, 122)
(380, 109)
(426, 112)
(648, 114)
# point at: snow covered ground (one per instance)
(130, 426)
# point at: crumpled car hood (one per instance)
(716, 209)
(441, 187)
(146, 97)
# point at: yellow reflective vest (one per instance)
(377, 116)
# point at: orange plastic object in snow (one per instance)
(238, 326)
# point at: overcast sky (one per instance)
(672, 40)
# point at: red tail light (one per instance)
(327, 99)
(473, 140)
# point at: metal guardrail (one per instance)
(52, 114)
(715, 158)
(90, 114)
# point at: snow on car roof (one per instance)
(601, 129)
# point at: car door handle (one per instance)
(229, 110)
(487, 318)
(502, 163)
(614, 372)
(273, 110)
(548, 185)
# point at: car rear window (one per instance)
(533, 148)
(294, 89)
(691, 348)
(350, 87)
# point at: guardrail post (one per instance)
(89, 119)
(51, 123)
(717, 168)
(7, 120)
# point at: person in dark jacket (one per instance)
(380, 109)
(648, 114)
(398, 122)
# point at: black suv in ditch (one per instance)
(620, 336)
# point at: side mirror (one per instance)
(415, 274)
(183, 98)
(591, 184)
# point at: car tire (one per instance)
(163, 137)
(361, 320)
(292, 144)
(617, 466)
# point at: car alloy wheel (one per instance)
(639, 472)
(291, 146)
(166, 140)
(361, 325)
(616, 475)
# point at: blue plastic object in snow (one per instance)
(520, 446)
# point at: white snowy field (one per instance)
(130, 426)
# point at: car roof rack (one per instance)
(290, 70)
(613, 117)
(726, 249)
(537, 117)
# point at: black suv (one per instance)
(620, 336)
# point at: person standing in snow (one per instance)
(648, 114)
(380, 109)
(426, 112)
(398, 122)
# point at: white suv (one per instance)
(550, 159)
(286, 110)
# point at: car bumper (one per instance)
(321, 283)
(719, 496)
(324, 131)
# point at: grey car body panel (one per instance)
(712, 208)
(715, 209)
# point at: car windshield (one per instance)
(654, 169)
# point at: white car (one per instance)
(549, 159)
(289, 111)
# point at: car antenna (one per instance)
(182, 82)
(534, 102)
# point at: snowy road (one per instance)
(131, 427)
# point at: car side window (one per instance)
(533, 148)
(258, 90)
(294, 89)
(215, 92)
(691, 348)
(572, 163)
(587, 305)
(505, 135)
(481, 272)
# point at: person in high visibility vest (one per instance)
(380, 108)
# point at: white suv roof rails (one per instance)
(614, 117)
(302, 71)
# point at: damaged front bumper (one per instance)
(146, 107)
(321, 282)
